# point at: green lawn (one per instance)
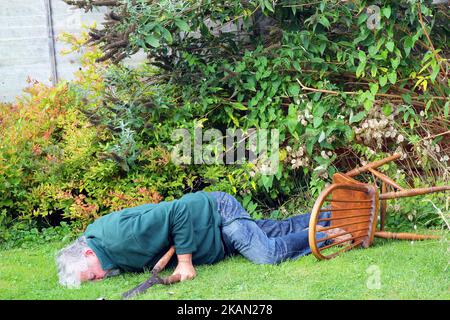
(418, 270)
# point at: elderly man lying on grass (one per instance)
(204, 228)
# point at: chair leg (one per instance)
(404, 236)
(383, 206)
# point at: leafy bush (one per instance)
(57, 164)
(30, 235)
(340, 94)
(340, 89)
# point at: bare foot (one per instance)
(335, 231)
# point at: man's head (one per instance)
(78, 263)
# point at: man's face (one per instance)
(94, 271)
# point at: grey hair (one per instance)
(70, 261)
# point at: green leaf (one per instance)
(362, 63)
(267, 181)
(239, 106)
(407, 47)
(232, 117)
(373, 88)
(390, 30)
(368, 104)
(268, 5)
(363, 36)
(362, 56)
(319, 111)
(435, 72)
(317, 121)
(322, 47)
(297, 66)
(386, 12)
(372, 51)
(358, 117)
(292, 123)
(310, 145)
(362, 18)
(294, 90)
(390, 46)
(324, 21)
(153, 41)
(383, 80)
(407, 98)
(316, 60)
(360, 70)
(392, 77)
(373, 70)
(182, 25)
(409, 42)
(395, 63)
(387, 109)
(446, 109)
(167, 35)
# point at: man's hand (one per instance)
(185, 268)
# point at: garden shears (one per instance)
(155, 279)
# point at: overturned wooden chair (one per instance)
(354, 208)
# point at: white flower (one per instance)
(300, 151)
(437, 148)
(400, 138)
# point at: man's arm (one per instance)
(182, 232)
(185, 268)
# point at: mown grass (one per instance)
(418, 270)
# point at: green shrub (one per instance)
(340, 94)
(30, 235)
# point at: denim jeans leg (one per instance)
(252, 242)
(276, 228)
(243, 234)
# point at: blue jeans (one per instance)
(263, 241)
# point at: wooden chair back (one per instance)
(353, 207)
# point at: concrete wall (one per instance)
(26, 42)
(23, 45)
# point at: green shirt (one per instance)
(136, 238)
